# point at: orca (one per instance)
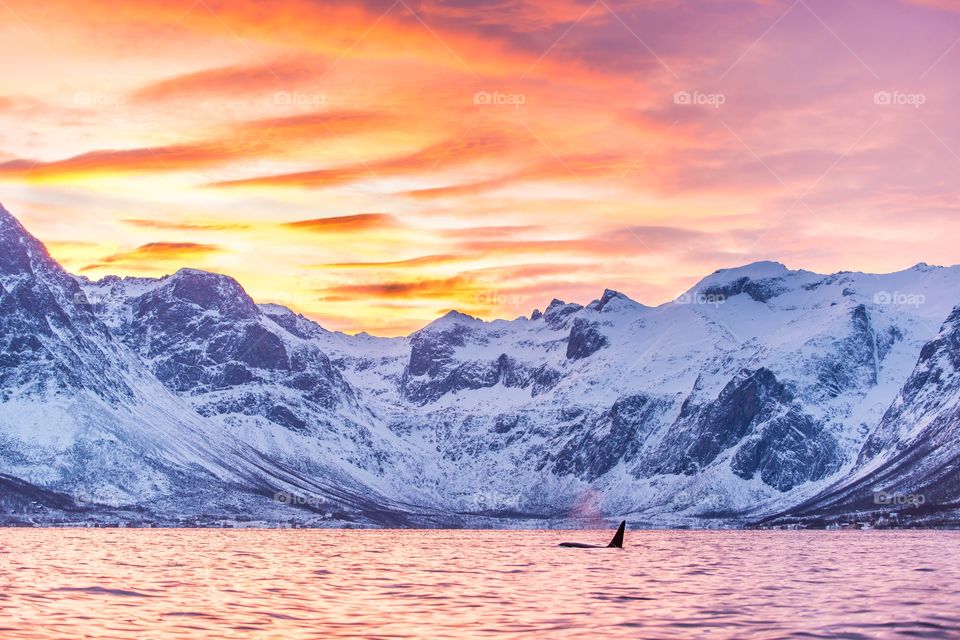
(616, 542)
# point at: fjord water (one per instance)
(158, 584)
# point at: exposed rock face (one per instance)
(854, 360)
(616, 436)
(435, 370)
(585, 339)
(559, 312)
(758, 290)
(757, 420)
(702, 432)
(788, 451)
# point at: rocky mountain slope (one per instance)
(759, 390)
(910, 464)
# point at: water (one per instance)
(159, 584)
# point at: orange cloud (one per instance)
(369, 31)
(506, 289)
(279, 133)
(519, 14)
(184, 226)
(524, 195)
(459, 151)
(444, 289)
(344, 224)
(230, 81)
(147, 256)
(144, 160)
(274, 137)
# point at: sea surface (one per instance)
(147, 584)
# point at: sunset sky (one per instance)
(375, 164)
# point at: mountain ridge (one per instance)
(754, 392)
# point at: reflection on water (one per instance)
(149, 584)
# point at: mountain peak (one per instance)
(726, 283)
(754, 270)
(9, 222)
(762, 270)
(609, 295)
(21, 251)
(453, 314)
(558, 311)
(556, 303)
(923, 267)
(210, 291)
(189, 273)
(451, 318)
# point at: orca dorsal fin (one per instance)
(618, 538)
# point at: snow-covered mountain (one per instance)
(88, 424)
(758, 390)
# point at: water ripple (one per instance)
(172, 584)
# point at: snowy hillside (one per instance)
(755, 391)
